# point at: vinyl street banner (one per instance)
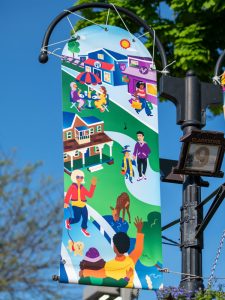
(112, 216)
(223, 87)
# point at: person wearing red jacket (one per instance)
(76, 196)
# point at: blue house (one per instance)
(107, 65)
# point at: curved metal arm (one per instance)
(43, 57)
(219, 64)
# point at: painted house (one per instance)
(140, 69)
(107, 65)
(85, 143)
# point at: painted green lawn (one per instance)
(108, 189)
(115, 120)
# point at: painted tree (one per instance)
(73, 46)
(152, 254)
(192, 33)
(30, 219)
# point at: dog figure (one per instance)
(76, 247)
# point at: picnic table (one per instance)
(89, 100)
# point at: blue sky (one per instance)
(31, 118)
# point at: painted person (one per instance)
(141, 153)
(141, 95)
(141, 90)
(94, 261)
(122, 266)
(75, 96)
(76, 196)
(127, 164)
(101, 103)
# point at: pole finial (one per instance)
(190, 73)
(43, 57)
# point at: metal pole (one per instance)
(126, 294)
(191, 215)
(191, 247)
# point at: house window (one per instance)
(76, 153)
(100, 56)
(92, 130)
(151, 89)
(97, 64)
(65, 155)
(107, 77)
(99, 128)
(96, 149)
(69, 135)
(134, 63)
(88, 69)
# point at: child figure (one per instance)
(127, 164)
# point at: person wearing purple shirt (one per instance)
(141, 153)
(75, 97)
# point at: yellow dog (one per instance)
(76, 247)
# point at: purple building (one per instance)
(139, 69)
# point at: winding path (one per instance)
(147, 191)
(120, 96)
(97, 234)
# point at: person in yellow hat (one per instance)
(127, 164)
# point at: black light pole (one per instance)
(191, 98)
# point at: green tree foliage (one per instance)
(30, 231)
(73, 46)
(152, 254)
(193, 36)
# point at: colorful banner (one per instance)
(223, 87)
(112, 215)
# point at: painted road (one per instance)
(138, 188)
(120, 96)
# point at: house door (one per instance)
(87, 153)
(98, 73)
(132, 85)
(135, 84)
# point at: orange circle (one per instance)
(125, 44)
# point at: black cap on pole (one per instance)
(43, 57)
